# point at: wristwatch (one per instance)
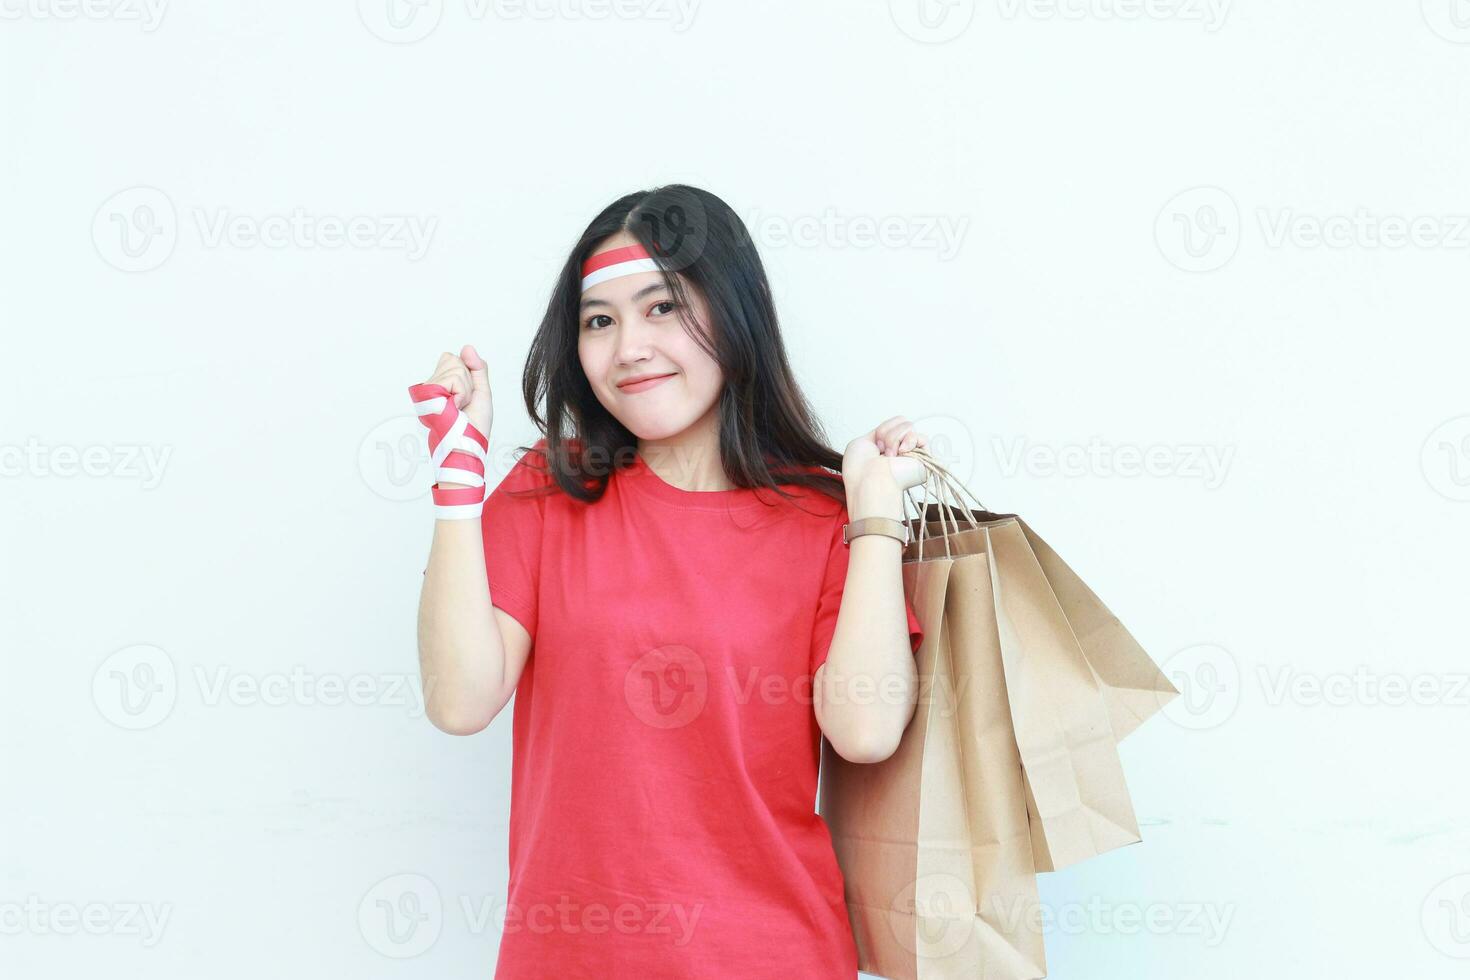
(875, 525)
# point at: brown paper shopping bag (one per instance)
(934, 842)
(1062, 708)
(1133, 685)
(1009, 765)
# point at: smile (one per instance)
(645, 385)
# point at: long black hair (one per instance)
(769, 434)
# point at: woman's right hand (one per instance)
(468, 378)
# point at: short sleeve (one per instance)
(511, 527)
(834, 578)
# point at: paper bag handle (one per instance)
(944, 493)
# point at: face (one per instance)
(630, 327)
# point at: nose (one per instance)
(634, 337)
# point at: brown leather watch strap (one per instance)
(875, 525)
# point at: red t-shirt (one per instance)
(663, 788)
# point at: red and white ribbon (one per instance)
(456, 448)
(616, 262)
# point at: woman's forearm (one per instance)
(869, 683)
(461, 652)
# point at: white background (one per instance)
(1137, 199)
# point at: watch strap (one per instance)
(875, 525)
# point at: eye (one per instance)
(669, 303)
(592, 320)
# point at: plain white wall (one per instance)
(1226, 239)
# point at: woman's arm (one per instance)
(470, 658)
(865, 693)
(470, 653)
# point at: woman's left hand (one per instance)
(886, 442)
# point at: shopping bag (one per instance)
(1009, 766)
(1133, 685)
(1062, 708)
(934, 842)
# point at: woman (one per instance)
(663, 583)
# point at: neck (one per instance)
(689, 460)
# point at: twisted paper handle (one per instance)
(946, 490)
(456, 448)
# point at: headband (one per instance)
(626, 261)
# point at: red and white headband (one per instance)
(626, 261)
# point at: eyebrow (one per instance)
(652, 287)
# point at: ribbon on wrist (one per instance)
(457, 450)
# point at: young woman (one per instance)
(664, 584)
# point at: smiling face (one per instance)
(630, 328)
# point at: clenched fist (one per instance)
(468, 378)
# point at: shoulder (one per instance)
(530, 468)
(812, 507)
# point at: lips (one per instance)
(645, 384)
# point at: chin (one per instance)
(649, 429)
